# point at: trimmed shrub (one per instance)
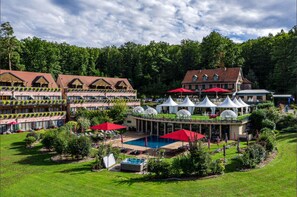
(217, 167)
(290, 129)
(61, 142)
(265, 105)
(79, 147)
(182, 165)
(252, 156)
(257, 117)
(268, 124)
(288, 120)
(267, 139)
(48, 139)
(30, 140)
(34, 134)
(159, 167)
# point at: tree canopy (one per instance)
(269, 62)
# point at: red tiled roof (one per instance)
(29, 77)
(64, 80)
(225, 75)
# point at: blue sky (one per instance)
(99, 23)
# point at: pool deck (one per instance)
(128, 136)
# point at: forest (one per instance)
(270, 62)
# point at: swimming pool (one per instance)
(152, 142)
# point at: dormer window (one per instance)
(205, 77)
(194, 78)
(76, 83)
(215, 77)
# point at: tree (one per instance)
(10, 46)
(118, 111)
(79, 146)
(83, 123)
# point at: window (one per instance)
(194, 78)
(205, 77)
(196, 87)
(203, 87)
(216, 77)
(190, 87)
(226, 86)
(210, 85)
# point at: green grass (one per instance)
(27, 172)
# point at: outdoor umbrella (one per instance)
(183, 135)
(216, 90)
(181, 91)
(107, 126)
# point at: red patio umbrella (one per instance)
(217, 90)
(13, 123)
(107, 126)
(181, 91)
(183, 135)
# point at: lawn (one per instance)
(28, 172)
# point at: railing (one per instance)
(28, 89)
(32, 102)
(102, 101)
(173, 119)
(99, 90)
(32, 115)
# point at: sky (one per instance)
(100, 23)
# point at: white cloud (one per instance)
(100, 23)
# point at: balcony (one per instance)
(100, 90)
(29, 89)
(32, 102)
(102, 101)
(32, 117)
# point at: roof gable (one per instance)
(11, 78)
(76, 82)
(100, 83)
(40, 80)
(121, 84)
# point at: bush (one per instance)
(30, 140)
(159, 167)
(201, 159)
(34, 134)
(268, 124)
(182, 165)
(79, 147)
(267, 139)
(288, 120)
(265, 105)
(83, 123)
(217, 167)
(290, 129)
(48, 139)
(257, 117)
(253, 155)
(61, 141)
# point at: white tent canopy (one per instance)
(239, 104)
(206, 103)
(187, 103)
(228, 103)
(244, 104)
(168, 103)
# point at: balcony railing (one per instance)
(99, 90)
(32, 102)
(239, 119)
(102, 101)
(32, 115)
(29, 89)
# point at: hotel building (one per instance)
(29, 100)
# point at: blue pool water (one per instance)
(152, 142)
(133, 161)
